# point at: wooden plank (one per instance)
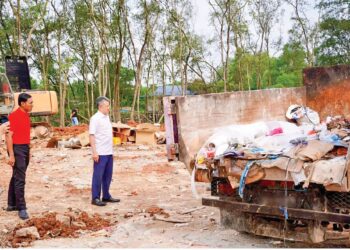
(170, 219)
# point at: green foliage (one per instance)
(290, 65)
(282, 71)
(335, 33)
(198, 87)
(35, 84)
(126, 86)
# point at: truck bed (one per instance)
(190, 120)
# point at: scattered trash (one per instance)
(192, 210)
(170, 219)
(156, 210)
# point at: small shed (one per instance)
(160, 92)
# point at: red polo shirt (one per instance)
(20, 126)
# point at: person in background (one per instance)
(18, 141)
(101, 141)
(74, 117)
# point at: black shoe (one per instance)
(111, 200)
(11, 208)
(98, 202)
(23, 214)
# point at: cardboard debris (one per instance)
(328, 172)
(145, 134)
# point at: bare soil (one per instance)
(157, 208)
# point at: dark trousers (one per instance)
(18, 180)
(102, 177)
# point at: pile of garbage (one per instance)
(309, 151)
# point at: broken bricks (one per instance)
(52, 225)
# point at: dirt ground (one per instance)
(157, 208)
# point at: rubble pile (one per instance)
(69, 131)
(53, 225)
(76, 137)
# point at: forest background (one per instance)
(133, 52)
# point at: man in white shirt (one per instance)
(101, 141)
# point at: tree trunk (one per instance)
(59, 79)
(116, 109)
(20, 46)
(64, 95)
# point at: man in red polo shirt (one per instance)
(18, 140)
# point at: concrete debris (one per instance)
(31, 232)
(161, 137)
(65, 220)
(78, 224)
(53, 225)
(100, 233)
(41, 132)
(84, 138)
(73, 143)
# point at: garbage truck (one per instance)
(262, 189)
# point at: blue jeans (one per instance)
(75, 121)
(102, 177)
